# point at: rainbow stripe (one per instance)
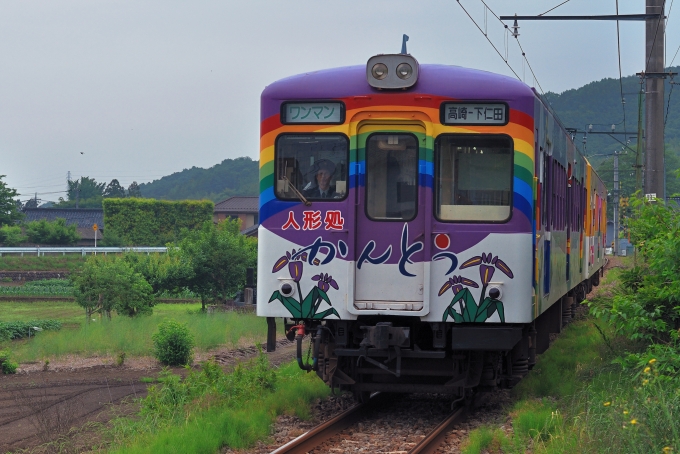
(413, 112)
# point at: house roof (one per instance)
(250, 231)
(81, 217)
(238, 205)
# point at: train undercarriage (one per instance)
(406, 355)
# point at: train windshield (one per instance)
(391, 177)
(316, 165)
(474, 178)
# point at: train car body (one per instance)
(428, 233)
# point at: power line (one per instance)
(555, 7)
(487, 38)
(676, 54)
(668, 107)
(518, 44)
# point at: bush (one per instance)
(19, 330)
(109, 283)
(6, 364)
(11, 236)
(173, 343)
(56, 232)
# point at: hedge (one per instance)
(150, 222)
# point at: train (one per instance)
(425, 227)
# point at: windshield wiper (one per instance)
(298, 193)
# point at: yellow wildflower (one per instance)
(652, 361)
(606, 404)
(667, 450)
(645, 381)
(647, 370)
(633, 421)
(625, 412)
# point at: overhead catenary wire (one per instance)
(518, 43)
(555, 7)
(668, 106)
(487, 38)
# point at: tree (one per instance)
(85, 188)
(133, 190)
(9, 207)
(109, 283)
(30, 203)
(164, 272)
(55, 232)
(83, 193)
(219, 256)
(114, 190)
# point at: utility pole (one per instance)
(638, 150)
(654, 75)
(654, 99)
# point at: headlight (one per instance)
(286, 289)
(379, 71)
(404, 71)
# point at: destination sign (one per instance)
(465, 113)
(313, 112)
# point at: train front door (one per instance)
(390, 220)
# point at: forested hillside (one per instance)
(599, 103)
(229, 178)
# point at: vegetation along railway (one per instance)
(427, 226)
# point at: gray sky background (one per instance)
(136, 90)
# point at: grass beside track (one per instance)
(131, 336)
(210, 410)
(576, 400)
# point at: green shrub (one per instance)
(55, 232)
(109, 283)
(173, 343)
(19, 330)
(6, 364)
(11, 236)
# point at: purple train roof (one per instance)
(453, 82)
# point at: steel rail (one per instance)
(434, 439)
(315, 437)
(323, 432)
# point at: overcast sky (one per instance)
(136, 90)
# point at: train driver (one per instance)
(323, 170)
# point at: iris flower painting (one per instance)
(469, 311)
(309, 306)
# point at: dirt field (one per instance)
(38, 407)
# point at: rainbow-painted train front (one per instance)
(428, 226)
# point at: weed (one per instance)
(46, 365)
(173, 343)
(120, 359)
(486, 440)
(209, 409)
(6, 364)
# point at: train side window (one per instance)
(474, 177)
(315, 164)
(391, 177)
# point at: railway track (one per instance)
(323, 435)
